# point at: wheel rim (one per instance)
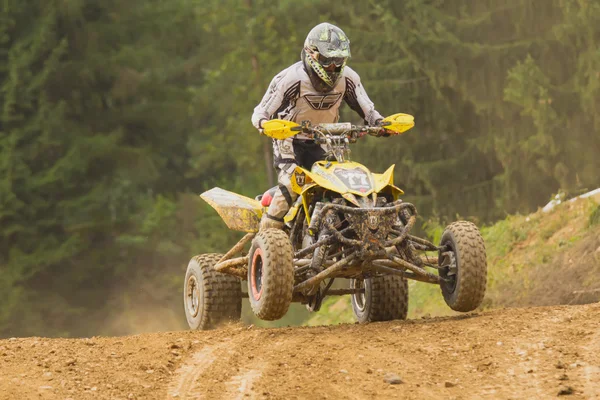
(256, 274)
(450, 273)
(193, 296)
(359, 298)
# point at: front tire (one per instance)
(464, 281)
(210, 298)
(385, 299)
(270, 274)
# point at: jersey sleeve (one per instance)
(272, 100)
(358, 100)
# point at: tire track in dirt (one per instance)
(217, 371)
(241, 386)
(187, 385)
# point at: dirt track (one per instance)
(513, 353)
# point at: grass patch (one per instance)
(426, 299)
(501, 238)
(334, 310)
(595, 217)
(551, 229)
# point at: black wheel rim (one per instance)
(449, 280)
(256, 275)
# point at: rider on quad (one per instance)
(309, 90)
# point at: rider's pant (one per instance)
(288, 154)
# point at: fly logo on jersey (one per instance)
(322, 102)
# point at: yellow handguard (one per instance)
(398, 123)
(280, 129)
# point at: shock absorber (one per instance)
(316, 214)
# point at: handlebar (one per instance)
(352, 132)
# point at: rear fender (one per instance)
(240, 213)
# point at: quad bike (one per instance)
(346, 223)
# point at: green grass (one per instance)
(334, 310)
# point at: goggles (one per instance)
(327, 61)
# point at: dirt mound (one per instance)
(512, 353)
(553, 258)
(573, 277)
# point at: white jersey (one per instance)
(292, 97)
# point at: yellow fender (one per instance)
(300, 178)
(280, 129)
(386, 180)
(399, 123)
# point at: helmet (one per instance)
(326, 50)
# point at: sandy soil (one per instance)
(508, 354)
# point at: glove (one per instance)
(385, 133)
(260, 127)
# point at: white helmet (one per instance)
(325, 45)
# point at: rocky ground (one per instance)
(508, 354)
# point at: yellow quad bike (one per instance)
(346, 223)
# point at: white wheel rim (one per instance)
(192, 296)
(359, 298)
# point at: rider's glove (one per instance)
(260, 126)
(385, 133)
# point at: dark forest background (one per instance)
(115, 115)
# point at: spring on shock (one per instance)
(312, 227)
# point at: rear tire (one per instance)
(465, 290)
(270, 274)
(210, 298)
(385, 299)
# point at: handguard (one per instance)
(280, 129)
(398, 123)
